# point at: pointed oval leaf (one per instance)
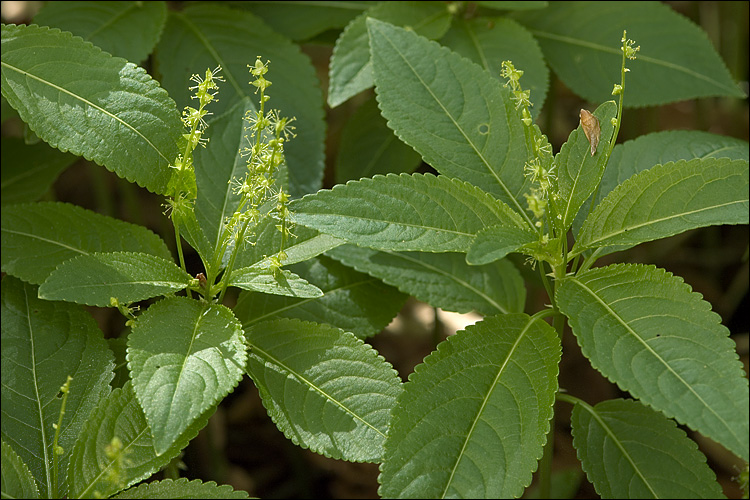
(404, 212)
(648, 150)
(494, 243)
(80, 99)
(645, 330)
(181, 488)
(274, 282)
(306, 244)
(631, 451)
(581, 42)
(351, 301)
(38, 237)
(43, 343)
(129, 277)
(442, 280)
(669, 199)
(184, 356)
(120, 416)
(460, 119)
(351, 68)
(323, 387)
(473, 418)
(578, 171)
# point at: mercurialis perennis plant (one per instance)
(288, 186)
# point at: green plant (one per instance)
(90, 414)
(474, 418)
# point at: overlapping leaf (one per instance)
(129, 277)
(631, 451)
(108, 24)
(647, 331)
(324, 388)
(215, 35)
(648, 150)
(495, 242)
(80, 99)
(473, 417)
(92, 472)
(351, 301)
(351, 67)
(38, 237)
(442, 280)
(306, 244)
(459, 118)
(581, 41)
(669, 199)
(184, 356)
(42, 344)
(417, 212)
(490, 41)
(369, 147)
(273, 281)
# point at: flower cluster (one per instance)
(539, 168)
(264, 155)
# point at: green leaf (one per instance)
(578, 171)
(442, 280)
(645, 330)
(404, 212)
(42, 344)
(306, 244)
(657, 148)
(215, 35)
(369, 147)
(510, 5)
(80, 99)
(648, 150)
(29, 171)
(473, 418)
(181, 488)
(490, 41)
(495, 242)
(631, 451)
(17, 481)
(351, 67)
(331, 392)
(129, 277)
(184, 356)
(38, 237)
(666, 200)
(351, 301)
(459, 118)
(302, 20)
(273, 281)
(581, 41)
(94, 474)
(125, 29)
